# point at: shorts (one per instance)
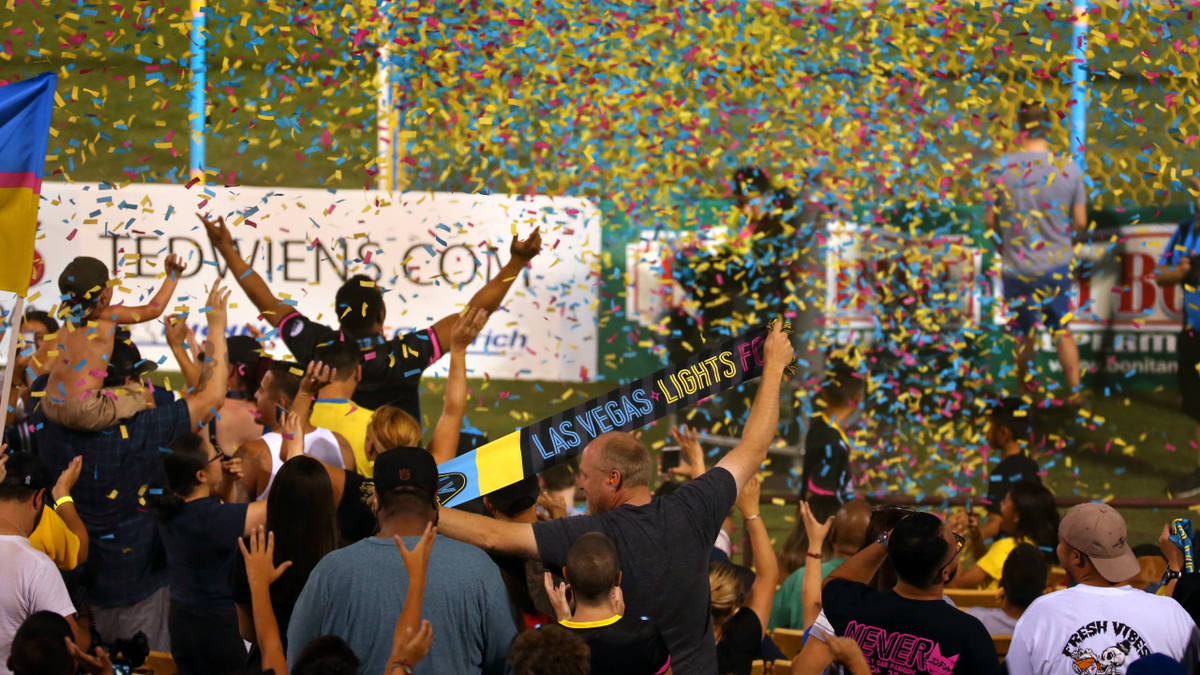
(1042, 295)
(1188, 350)
(98, 410)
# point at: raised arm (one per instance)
(412, 637)
(177, 334)
(261, 572)
(66, 509)
(862, 565)
(492, 294)
(158, 304)
(272, 308)
(744, 460)
(444, 444)
(810, 592)
(766, 569)
(204, 400)
(488, 534)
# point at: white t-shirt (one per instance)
(31, 584)
(1099, 631)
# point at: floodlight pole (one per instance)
(198, 112)
(1079, 83)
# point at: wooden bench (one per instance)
(776, 667)
(789, 640)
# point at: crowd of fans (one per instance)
(282, 517)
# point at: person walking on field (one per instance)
(1037, 203)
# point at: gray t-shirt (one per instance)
(357, 593)
(1035, 192)
(994, 619)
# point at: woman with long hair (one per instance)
(200, 534)
(303, 520)
(740, 614)
(1028, 514)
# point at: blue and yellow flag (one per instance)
(631, 406)
(25, 109)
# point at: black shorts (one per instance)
(1189, 378)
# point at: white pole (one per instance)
(10, 366)
(383, 100)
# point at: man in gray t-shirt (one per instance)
(357, 592)
(1038, 202)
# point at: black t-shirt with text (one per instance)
(625, 645)
(1010, 471)
(664, 548)
(741, 643)
(391, 369)
(909, 637)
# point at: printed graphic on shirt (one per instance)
(1103, 648)
(897, 652)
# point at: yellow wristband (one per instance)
(65, 500)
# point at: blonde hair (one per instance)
(391, 427)
(726, 590)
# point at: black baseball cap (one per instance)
(27, 470)
(513, 499)
(83, 280)
(406, 466)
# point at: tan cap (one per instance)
(1098, 530)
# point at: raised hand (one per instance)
(525, 250)
(816, 530)
(777, 351)
(691, 457)
(66, 479)
(175, 267)
(216, 230)
(416, 561)
(747, 499)
(176, 329)
(218, 308)
(558, 597)
(260, 558)
(409, 647)
(316, 376)
(468, 327)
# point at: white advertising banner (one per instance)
(430, 252)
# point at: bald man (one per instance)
(664, 543)
(848, 532)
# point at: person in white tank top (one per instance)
(261, 458)
(320, 443)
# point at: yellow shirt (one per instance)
(992, 562)
(56, 540)
(349, 420)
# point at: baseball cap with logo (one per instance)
(406, 467)
(1098, 530)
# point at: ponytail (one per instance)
(182, 459)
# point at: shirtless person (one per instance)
(75, 394)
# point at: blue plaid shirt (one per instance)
(126, 562)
